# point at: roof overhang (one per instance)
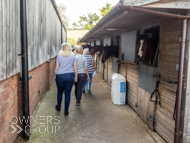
(127, 18)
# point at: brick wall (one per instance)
(50, 68)
(11, 99)
(8, 107)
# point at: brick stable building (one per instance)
(45, 33)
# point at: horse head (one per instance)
(141, 47)
(146, 49)
(94, 49)
(109, 51)
(105, 54)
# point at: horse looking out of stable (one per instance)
(95, 49)
(146, 48)
(109, 51)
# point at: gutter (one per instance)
(24, 55)
(157, 13)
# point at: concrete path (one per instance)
(97, 120)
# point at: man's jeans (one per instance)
(78, 86)
(64, 84)
(88, 84)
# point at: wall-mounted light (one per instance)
(111, 29)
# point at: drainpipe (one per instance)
(25, 85)
(180, 82)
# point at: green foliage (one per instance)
(89, 21)
(72, 40)
(62, 8)
(79, 39)
(105, 10)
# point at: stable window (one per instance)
(148, 45)
(98, 42)
(92, 44)
(107, 41)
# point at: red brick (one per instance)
(11, 99)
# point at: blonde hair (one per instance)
(78, 49)
(66, 47)
(86, 50)
(74, 52)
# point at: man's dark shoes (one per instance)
(57, 108)
(66, 113)
(83, 91)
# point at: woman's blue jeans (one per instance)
(64, 84)
(86, 83)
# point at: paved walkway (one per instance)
(97, 120)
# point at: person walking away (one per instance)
(91, 69)
(82, 74)
(65, 75)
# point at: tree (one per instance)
(105, 10)
(72, 40)
(89, 21)
(62, 8)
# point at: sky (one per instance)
(76, 8)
